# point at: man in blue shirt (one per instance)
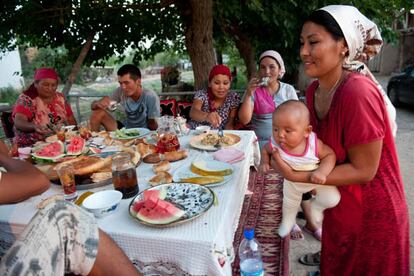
(141, 107)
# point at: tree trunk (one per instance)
(77, 65)
(246, 51)
(197, 16)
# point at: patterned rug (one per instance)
(263, 210)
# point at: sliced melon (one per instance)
(214, 168)
(76, 146)
(163, 212)
(49, 151)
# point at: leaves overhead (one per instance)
(116, 26)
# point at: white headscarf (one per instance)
(364, 41)
(276, 56)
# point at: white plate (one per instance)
(185, 172)
(196, 141)
(193, 199)
(142, 132)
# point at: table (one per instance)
(202, 246)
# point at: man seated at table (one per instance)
(141, 106)
(61, 238)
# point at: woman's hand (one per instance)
(214, 119)
(252, 85)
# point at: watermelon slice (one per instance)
(50, 151)
(161, 194)
(162, 212)
(76, 146)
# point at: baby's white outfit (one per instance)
(326, 196)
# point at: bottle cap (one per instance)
(249, 233)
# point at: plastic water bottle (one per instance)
(249, 253)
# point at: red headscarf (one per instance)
(216, 70)
(41, 73)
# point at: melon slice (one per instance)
(76, 146)
(214, 168)
(162, 213)
(50, 151)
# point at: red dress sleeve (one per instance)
(68, 109)
(25, 106)
(363, 113)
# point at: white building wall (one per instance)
(11, 70)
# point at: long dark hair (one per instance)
(324, 19)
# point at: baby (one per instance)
(299, 147)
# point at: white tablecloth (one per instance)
(202, 246)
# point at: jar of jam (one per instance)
(167, 135)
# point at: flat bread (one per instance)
(84, 165)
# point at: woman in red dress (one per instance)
(367, 233)
(40, 110)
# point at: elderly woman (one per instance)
(40, 110)
(216, 106)
(367, 233)
(262, 97)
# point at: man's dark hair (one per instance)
(326, 20)
(130, 69)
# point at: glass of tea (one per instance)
(67, 179)
(124, 175)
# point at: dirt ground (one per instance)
(405, 147)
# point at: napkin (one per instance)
(229, 155)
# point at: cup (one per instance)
(124, 175)
(264, 81)
(112, 106)
(67, 179)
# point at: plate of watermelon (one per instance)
(171, 204)
(53, 151)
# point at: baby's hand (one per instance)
(317, 177)
(264, 167)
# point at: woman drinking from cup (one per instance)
(264, 93)
(216, 106)
(40, 110)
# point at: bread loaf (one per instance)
(163, 166)
(161, 178)
(175, 155)
(152, 158)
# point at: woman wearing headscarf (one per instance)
(264, 93)
(216, 106)
(367, 233)
(40, 110)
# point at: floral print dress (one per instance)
(51, 115)
(232, 101)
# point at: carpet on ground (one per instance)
(262, 210)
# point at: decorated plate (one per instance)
(204, 142)
(193, 199)
(185, 172)
(129, 133)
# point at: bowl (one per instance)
(102, 203)
(202, 129)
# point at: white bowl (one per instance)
(202, 129)
(102, 203)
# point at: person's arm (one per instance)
(101, 104)
(246, 108)
(327, 162)
(200, 116)
(361, 168)
(154, 110)
(22, 123)
(71, 120)
(265, 155)
(21, 181)
(152, 124)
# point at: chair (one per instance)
(168, 107)
(183, 109)
(7, 124)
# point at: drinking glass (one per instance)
(67, 179)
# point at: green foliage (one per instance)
(8, 95)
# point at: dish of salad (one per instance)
(129, 133)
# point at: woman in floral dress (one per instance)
(216, 106)
(40, 110)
